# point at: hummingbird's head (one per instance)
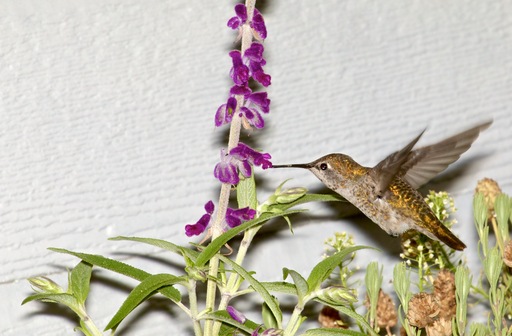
(334, 170)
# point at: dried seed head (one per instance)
(330, 318)
(423, 310)
(507, 254)
(441, 327)
(490, 189)
(386, 312)
(444, 293)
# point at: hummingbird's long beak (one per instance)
(296, 165)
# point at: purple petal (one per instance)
(209, 207)
(226, 173)
(236, 315)
(194, 229)
(240, 90)
(239, 72)
(253, 116)
(220, 115)
(258, 24)
(241, 12)
(255, 52)
(262, 78)
(260, 99)
(234, 22)
(245, 168)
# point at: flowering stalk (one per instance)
(243, 108)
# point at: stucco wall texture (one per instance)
(106, 128)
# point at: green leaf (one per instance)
(332, 331)
(300, 283)
(324, 268)
(79, 281)
(140, 293)
(220, 241)
(361, 321)
(280, 287)
(269, 320)
(223, 316)
(192, 254)
(246, 192)
(308, 198)
(258, 287)
(66, 299)
(121, 268)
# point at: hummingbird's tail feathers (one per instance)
(444, 235)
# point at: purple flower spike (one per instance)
(202, 223)
(241, 17)
(224, 113)
(236, 217)
(236, 315)
(239, 72)
(258, 25)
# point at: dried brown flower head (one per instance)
(441, 327)
(444, 293)
(423, 310)
(507, 254)
(386, 312)
(490, 189)
(330, 318)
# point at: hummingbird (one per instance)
(387, 193)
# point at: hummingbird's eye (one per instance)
(323, 166)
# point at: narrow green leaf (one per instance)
(246, 193)
(361, 321)
(79, 281)
(258, 287)
(269, 320)
(300, 283)
(140, 293)
(324, 268)
(121, 268)
(66, 299)
(192, 254)
(223, 316)
(308, 198)
(220, 241)
(280, 287)
(332, 331)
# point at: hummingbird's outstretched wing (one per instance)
(425, 163)
(386, 170)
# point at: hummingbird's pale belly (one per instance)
(395, 214)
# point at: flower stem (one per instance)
(234, 138)
(192, 295)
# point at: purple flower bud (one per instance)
(235, 314)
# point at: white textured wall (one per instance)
(106, 125)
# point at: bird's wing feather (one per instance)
(386, 170)
(425, 163)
